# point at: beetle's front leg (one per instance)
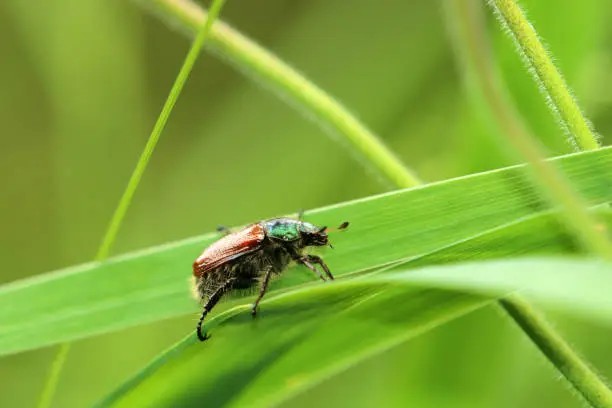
(313, 259)
(309, 261)
(310, 266)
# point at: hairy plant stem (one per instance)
(470, 32)
(110, 235)
(546, 74)
(559, 352)
(550, 180)
(314, 103)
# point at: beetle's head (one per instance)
(316, 236)
(312, 235)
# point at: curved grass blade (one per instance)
(152, 284)
(541, 234)
(573, 285)
(266, 361)
(235, 366)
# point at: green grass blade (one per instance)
(550, 280)
(150, 285)
(540, 234)
(374, 313)
(296, 327)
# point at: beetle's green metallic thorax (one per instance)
(285, 229)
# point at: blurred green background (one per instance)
(83, 82)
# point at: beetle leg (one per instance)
(262, 291)
(306, 261)
(317, 260)
(224, 229)
(212, 301)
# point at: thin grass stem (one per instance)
(310, 100)
(46, 397)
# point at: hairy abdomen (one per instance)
(246, 271)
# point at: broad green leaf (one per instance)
(268, 360)
(153, 284)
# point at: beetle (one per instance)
(251, 256)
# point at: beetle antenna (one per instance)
(342, 226)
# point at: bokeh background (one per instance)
(83, 82)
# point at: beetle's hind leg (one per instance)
(210, 303)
